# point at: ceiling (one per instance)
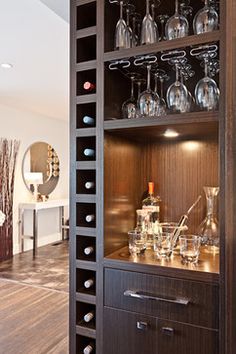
(34, 38)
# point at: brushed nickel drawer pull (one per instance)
(168, 331)
(142, 325)
(144, 296)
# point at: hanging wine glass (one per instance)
(153, 17)
(139, 83)
(206, 20)
(177, 26)
(177, 94)
(207, 93)
(163, 19)
(148, 31)
(121, 33)
(161, 108)
(129, 10)
(129, 107)
(147, 99)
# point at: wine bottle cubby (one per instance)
(86, 248)
(86, 316)
(86, 282)
(86, 149)
(86, 182)
(83, 342)
(86, 15)
(86, 82)
(86, 115)
(86, 214)
(86, 49)
(120, 142)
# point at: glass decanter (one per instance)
(208, 229)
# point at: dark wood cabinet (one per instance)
(144, 305)
(132, 333)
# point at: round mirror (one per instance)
(41, 168)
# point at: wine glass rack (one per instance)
(112, 159)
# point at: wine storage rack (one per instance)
(124, 154)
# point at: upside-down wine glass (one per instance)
(177, 95)
(139, 83)
(207, 93)
(148, 32)
(153, 17)
(162, 19)
(129, 107)
(177, 26)
(147, 99)
(206, 20)
(161, 107)
(121, 33)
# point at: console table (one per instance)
(35, 207)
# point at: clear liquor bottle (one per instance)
(152, 203)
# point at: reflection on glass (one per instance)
(177, 26)
(206, 20)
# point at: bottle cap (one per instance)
(151, 187)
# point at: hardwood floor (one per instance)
(32, 320)
(50, 269)
(34, 302)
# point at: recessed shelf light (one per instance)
(169, 133)
(6, 66)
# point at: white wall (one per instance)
(29, 128)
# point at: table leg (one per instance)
(35, 232)
(62, 222)
(21, 229)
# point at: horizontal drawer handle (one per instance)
(142, 325)
(168, 331)
(144, 296)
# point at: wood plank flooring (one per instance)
(33, 320)
(50, 269)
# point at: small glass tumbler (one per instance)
(163, 245)
(190, 248)
(137, 242)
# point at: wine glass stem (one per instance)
(206, 69)
(177, 72)
(153, 11)
(132, 87)
(155, 89)
(161, 80)
(176, 6)
(127, 19)
(147, 7)
(121, 10)
(148, 77)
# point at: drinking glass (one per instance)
(177, 26)
(129, 107)
(178, 95)
(121, 33)
(206, 19)
(148, 32)
(207, 93)
(148, 99)
(137, 242)
(190, 248)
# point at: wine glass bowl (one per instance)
(206, 19)
(207, 94)
(149, 30)
(177, 26)
(148, 99)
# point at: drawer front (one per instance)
(179, 338)
(173, 299)
(129, 333)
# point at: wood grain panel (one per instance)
(180, 169)
(201, 309)
(122, 190)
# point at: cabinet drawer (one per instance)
(168, 298)
(130, 333)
